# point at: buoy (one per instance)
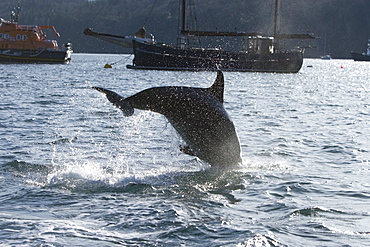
(341, 67)
(107, 65)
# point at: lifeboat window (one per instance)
(6, 36)
(18, 37)
(24, 37)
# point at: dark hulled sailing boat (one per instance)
(259, 54)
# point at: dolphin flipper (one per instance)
(187, 150)
(117, 101)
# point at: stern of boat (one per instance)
(69, 52)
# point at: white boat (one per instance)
(326, 57)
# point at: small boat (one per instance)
(326, 57)
(258, 53)
(28, 43)
(365, 56)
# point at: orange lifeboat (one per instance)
(28, 43)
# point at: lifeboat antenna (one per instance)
(15, 14)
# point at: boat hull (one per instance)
(164, 57)
(35, 56)
(360, 57)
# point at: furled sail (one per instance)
(125, 41)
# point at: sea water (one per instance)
(75, 172)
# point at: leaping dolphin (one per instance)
(197, 114)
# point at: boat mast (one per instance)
(14, 17)
(276, 18)
(183, 15)
(182, 39)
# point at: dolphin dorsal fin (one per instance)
(217, 89)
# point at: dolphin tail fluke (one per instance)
(217, 89)
(117, 101)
